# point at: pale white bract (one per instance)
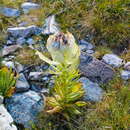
(63, 50)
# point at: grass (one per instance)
(26, 56)
(106, 21)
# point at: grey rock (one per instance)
(125, 74)
(113, 60)
(9, 12)
(18, 67)
(9, 58)
(24, 107)
(17, 32)
(9, 42)
(39, 89)
(84, 45)
(9, 64)
(127, 66)
(27, 6)
(30, 41)
(23, 24)
(90, 51)
(14, 65)
(10, 49)
(21, 41)
(50, 26)
(95, 70)
(35, 75)
(1, 99)
(92, 90)
(6, 121)
(21, 84)
(36, 88)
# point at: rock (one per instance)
(21, 41)
(90, 52)
(1, 99)
(10, 49)
(36, 88)
(24, 23)
(27, 6)
(24, 32)
(6, 121)
(84, 45)
(113, 60)
(30, 41)
(35, 75)
(9, 42)
(39, 89)
(18, 67)
(95, 70)
(125, 74)
(14, 65)
(127, 66)
(50, 26)
(24, 107)
(8, 64)
(21, 84)
(9, 12)
(92, 90)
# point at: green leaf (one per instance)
(81, 103)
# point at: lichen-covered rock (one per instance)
(92, 90)
(24, 107)
(30, 41)
(18, 67)
(113, 60)
(6, 121)
(50, 26)
(22, 84)
(9, 12)
(10, 49)
(94, 69)
(27, 6)
(21, 41)
(17, 32)
(125, 74)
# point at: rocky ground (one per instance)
(32, 84)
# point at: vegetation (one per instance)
(7, 82)
(66, 92)
(26, 56)
(63, 50)
(113, 112)
(101, 51)
(126, 55)
(106, 23)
